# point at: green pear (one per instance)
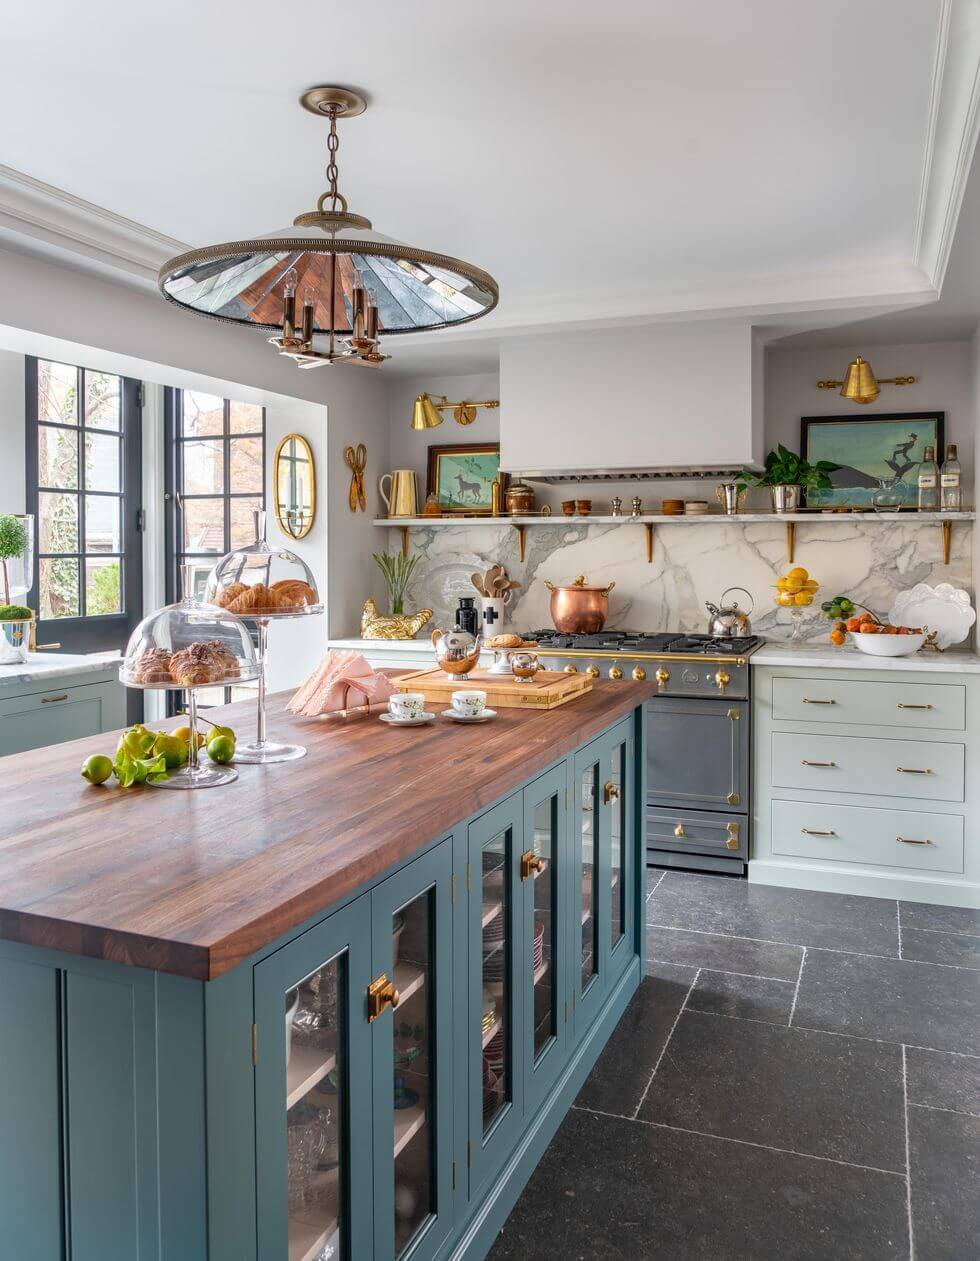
(172, 748)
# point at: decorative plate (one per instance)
(944, 609)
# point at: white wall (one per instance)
(11, 432)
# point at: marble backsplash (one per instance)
(870, 561)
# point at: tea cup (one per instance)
(406, 705)
(469, 704)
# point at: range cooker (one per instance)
(697, 735)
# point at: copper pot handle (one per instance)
(606, 590)
(549, 584)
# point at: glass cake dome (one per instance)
(260, 581)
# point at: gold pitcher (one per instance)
(401, 500)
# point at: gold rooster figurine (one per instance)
(376, 625)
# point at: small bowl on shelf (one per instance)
(878, 645)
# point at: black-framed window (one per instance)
(84, 470)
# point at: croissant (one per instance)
(256, 599)
(225, 598)
(153, 666)
(294, 591)
(193, 665)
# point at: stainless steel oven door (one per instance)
(698, 754)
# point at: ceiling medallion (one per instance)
(352, 283)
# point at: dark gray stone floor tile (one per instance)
(937, 1079)
(959, 949)
(944, 1162)
(807, 1092)
(893, 999)
(746, 997)
(797, 916)
(945, 919)
(621, 1073)
(723, 953)
(616, 1190)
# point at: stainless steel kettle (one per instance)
(728, 621)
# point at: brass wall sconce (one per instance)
(860, 384)
(426, 410)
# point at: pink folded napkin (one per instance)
(341, 681)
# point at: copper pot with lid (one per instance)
(579, 609)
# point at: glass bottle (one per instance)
(929, 482)
(950, 490)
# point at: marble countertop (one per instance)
(952, 661)
(48, 665)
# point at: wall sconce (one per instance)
(860, 384)
(426, 410)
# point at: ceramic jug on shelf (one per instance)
(401, 499)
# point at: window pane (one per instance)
(245, 417)
(243, 520)
(59, 588)
(204, 468)
(57, 523)
(203, 414)
(103, 523)
(204, 525)
(103, 586)
(57, 392)
(102, 404)
(200, 569)
(57, 458)
(103, 454)
(246, 465)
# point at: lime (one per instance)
(221, 748)
(97, 768)
(845, 605)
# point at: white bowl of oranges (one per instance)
(796, 589)
(880, 639)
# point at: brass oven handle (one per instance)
(913, 770)
(610, 792)
(51, 700)
(381, 994)
(816, 832)
(903, 705)
(908, 840)
(804, 762)
(531, 864)
(809, 700)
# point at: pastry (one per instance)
(153, 666)
(230, 593)
(294, 592)
(505, 641)
(221, 656)
(194, 666)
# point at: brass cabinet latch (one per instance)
(610, 792)
(679, 831)
(531, 864)
(381, 994)
(732, 842)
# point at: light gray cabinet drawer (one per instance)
(60, 713)
(859, 834)
(916, 706)
(862, 764)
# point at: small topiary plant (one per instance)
(13, 541)
(15, 613)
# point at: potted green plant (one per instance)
(787, 475)
(15, 619)
(397, 570)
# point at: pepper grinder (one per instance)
(636, 506)
(616, 508)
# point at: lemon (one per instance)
(184, 734)
(811, 585)
(174, 750)
(97, 768)
(793, 585)
(798, 573)
(780, 584)
(803, 597)
(785, 598)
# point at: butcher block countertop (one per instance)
(193, 883)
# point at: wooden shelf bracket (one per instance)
(649, 529)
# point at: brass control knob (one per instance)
(570, 669)
(639, 674)
(615, 672)
(722, 679)
(663, 675)
(592, 672)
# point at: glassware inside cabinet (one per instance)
(617, 800)
(590, 859)
(544, 926)
(414, 1067)
(316, 1114)
(497, 1086)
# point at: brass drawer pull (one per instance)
(381, 994)
(816, 832)
(812, 701)
(804, 762)
(912, 770)
(52, 700)
(908, 840)
(902, 705)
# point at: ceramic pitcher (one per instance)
(401, 499)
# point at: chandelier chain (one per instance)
(333, 174)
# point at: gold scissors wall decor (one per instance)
(356, 460)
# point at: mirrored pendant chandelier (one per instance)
(330, 276)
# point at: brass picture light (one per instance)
(426, 411)
(860, 384)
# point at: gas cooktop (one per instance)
(627, 642)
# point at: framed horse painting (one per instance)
(878, 452)
(461, 476)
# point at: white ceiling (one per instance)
(584, 154)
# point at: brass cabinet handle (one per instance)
(808, 700)
(732, 842)
(610, 792)
(804, 762)
(908, 840)
(679, 831)
(381, 994)
(902, 705)
(52, 700)
(816, 832)
(531, 864)
(912, 770)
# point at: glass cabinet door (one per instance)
(618, 798)
(543, 876)
(496, 1079)
(313, 1092)
(587, 900)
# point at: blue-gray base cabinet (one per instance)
(60, 707)
(378, 1084)
(867, 782)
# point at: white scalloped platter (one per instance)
(944, 609)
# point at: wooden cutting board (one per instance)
(547, 690)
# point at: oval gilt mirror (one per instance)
(295, 486)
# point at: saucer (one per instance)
(406, 722)
(484, 717)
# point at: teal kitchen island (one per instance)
(335, 1009)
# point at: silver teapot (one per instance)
(728, 621)
(457, 651)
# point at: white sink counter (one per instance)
(952, 661)
(48, 665)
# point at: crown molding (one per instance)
(49, 216)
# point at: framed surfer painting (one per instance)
(873, 452)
